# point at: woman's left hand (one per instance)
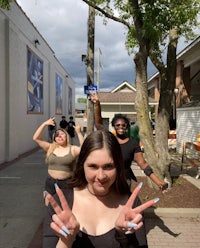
(77, 128)
(130, 219)
(164, 187)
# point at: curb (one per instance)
(23, 155)
(154, 212)
(194, 181)
(176, 212)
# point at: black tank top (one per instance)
(111, 239)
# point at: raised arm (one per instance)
(79, 134)
(97, 111)
(37, 137)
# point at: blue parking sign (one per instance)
(88, 88)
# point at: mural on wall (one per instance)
(34, 83)
(70, 101)
(59, 84)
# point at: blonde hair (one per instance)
(54, 144)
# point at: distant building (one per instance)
(80, 109)
(186, 101)
(187, 76)
(120, 100)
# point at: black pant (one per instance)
(50, 181)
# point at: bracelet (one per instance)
(148, 171)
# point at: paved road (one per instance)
(21, 211)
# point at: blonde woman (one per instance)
(60, 155)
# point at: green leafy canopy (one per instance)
(157, 17)
(5, 4)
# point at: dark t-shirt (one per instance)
(51, 127)
(63, 124)
(70, 129)
(128, 150)
(111, 239)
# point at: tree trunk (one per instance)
(141, 101)
(168, 76)
(142, 108)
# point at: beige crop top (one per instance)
(65, 163)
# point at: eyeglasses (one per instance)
(122, 125)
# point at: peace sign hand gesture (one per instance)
(64, 222)
(130, 219)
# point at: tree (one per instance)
(81, 100)
(153, 25)
(5, 4)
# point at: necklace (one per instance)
(97, 195)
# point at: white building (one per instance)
(186, 100)
(33, 83)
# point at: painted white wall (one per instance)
(17, 33)
(2, 88)
(188, 126)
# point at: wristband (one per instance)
(148, 171)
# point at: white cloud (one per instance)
(64, 26)
(63, 23)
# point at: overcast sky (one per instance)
(63, 24)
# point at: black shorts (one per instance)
(50, 181)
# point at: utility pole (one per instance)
(99, 68)
(90, 67)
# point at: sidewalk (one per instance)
(21, 211)
(21, 202)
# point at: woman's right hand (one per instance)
(50, 121)
(64, 222)
(94, 96)
(37, 137)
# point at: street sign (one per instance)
(89, 88)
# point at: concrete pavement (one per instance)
(21, 210)
(21, 202)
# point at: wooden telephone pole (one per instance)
(99, 68)
(90, 67)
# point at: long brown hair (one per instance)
(98, 140)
